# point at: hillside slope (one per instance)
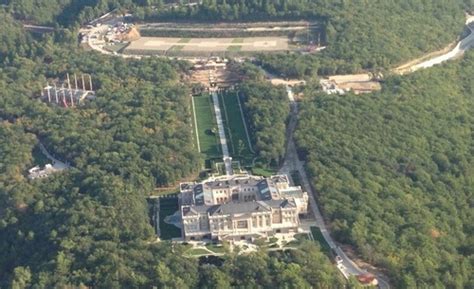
(395, 172)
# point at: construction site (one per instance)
(213, 72)
(114, 36)
(356, 83)
(63, 93)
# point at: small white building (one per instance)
(38, 173)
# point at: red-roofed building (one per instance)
(367, 279)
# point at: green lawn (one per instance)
(318, 237)
(264, 172)
(215, 248)
(197, 252)
(239, 146)
(207, 127)
(234, 48)
(167, 207)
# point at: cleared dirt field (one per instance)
(205, 45)
(358, 83)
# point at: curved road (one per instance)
(459, 50)
(463, 45)
(292, 163)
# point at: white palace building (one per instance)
(241, 207)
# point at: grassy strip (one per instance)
(197, 252)
(215, 248)
(264, 172)
(211, 33)
(194, 126)
(238, 138)
(238, 40)
(206, 124)
(234, 48)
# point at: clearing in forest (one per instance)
(206, 126)
(153, 45)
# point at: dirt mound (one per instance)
(131, 35)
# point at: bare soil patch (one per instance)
(205, 45)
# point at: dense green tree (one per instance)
(373, 35)
(89, 226)
(267, 108)
(393, 171)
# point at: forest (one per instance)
(393, 169)
(267, 109)
(375, 36)
(394, 173)
(89, 226)
(359, 35)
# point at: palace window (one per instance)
(242, 225)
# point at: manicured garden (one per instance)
(235, 128)
(206, 126)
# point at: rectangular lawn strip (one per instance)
(234, 48)
(194, 127)
(206, 124)
(238, 138)
(184, 40)
(263, 171)
(197, 252)
(238, 40)
(215, 248)
(168, 206)
(318, 237)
